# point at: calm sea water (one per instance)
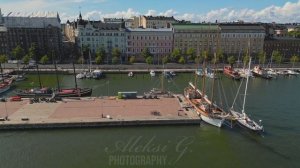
(276, 102)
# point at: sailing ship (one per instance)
(48, 92)
(241, 117)
(206, 108)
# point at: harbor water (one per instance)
(275, 102)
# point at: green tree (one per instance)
(205, 55)
(146, 53)
(198, 59)
(165, 59)
(115, 60)
(277, 57)
(231, 60)
(176, 54)
(116, 52)
(132, 59)
(294, 59)
(149, 60)
(3, 59)
(98, 59)
(181, 60)
(18, 53)
(101, 52)
(80, 60)
(262, 57)
(246, 60)
(26, 59)
(220, 56)
(32, 52)
(191, 54)
(44, 59)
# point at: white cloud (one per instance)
(151, 12)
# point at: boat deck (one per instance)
(96, 110)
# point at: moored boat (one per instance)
(260, 72)
(152, 73)
(130, 74)
(97, 74)
(241, 117)
(5, 85)
(231, 73)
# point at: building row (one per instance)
(161, 40)
(161, 35)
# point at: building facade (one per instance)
(287, 46)
(158, 41)
(236, 39)
(41, 29)
(96, 35)
(201, 37)
(156, 22)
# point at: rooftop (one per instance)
(149, 30)
(195, 26)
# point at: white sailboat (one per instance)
(242, 118)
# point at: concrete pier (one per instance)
(97, 112)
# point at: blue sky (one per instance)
(195, 10)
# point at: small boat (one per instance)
(231, 73)
(172, 73)
(47, 92)
(244, 72)
(209, 73)
(130, 74)
(81, 75)
(199, 72)
(260, 72)
(272, 72)
(88, 75)
(97, 74)
(168, 74)
(292, 72)
(282, 72)
(152, 73)
(18, 78)
(5, 85)
(242, 118)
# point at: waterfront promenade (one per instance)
(97, 112)
(125, 68)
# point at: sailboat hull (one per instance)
(4, 89)
(246, 122)
(213, 121)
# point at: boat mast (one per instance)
(246, 87)
(2, 72)
(90, 67)
(162, 80)
(57, 80)
(74, 73)
(39, 76)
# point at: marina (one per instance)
(279, 120)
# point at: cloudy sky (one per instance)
(282, 11)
